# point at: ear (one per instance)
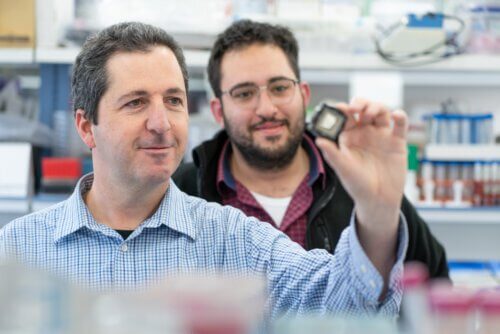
(305, 90)
(84, 128)
(216, 109)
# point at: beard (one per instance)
(262, 158)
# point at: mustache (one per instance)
(265, 120)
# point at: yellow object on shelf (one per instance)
(17, 23)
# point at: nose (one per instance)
(157, 118)
(265, 107)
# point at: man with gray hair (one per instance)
(127, 224)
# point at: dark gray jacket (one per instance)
(329, 214)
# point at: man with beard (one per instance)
(265, 163)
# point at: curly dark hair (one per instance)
(244, 33)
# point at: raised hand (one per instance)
(371, 162)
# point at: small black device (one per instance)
(327, 121)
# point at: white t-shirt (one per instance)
(275, 207)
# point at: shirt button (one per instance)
(363, 268)
(372, 284)
(124, 247)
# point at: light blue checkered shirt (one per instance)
(188, 233)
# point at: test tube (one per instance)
(496, 193)
(453, 128)
(488, 198)
(442, 125)
(465, 129)
(477, 196)
(467, 177)
(427, 181)
(454, 183)
(441, 181)
(487, 129)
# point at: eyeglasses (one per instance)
(247, 95)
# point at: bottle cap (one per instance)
(415, 274)
(446, 299)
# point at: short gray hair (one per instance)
(89, 79)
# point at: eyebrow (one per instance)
(139, 93)
(250, 83)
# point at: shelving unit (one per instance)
(467, 234)
(12, 208)
(462, 152)
(56, 55)
(463, 70)
(16, 56)
(461, 216)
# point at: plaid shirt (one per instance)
(187, 233)
(294, 222)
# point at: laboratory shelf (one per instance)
(56, 55)
(466, 234)
(14, 205)
(462, 152)
(454, 216)
(461, 63)
(335, 68)
(16, 56)
(42, 201)
(11, 208)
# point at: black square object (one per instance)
(328, 121)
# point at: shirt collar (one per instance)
(173, 212)
(317, 169)
(75, 214)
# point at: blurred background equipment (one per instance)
(419, 40)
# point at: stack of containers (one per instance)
(461, 183)
(440, 308)
(459, 128)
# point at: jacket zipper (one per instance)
(326, 241)
(314, 212)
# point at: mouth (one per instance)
(270, 128)
(156, 148)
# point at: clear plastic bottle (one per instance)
(415, 316)
(488, 306)
(452, 310)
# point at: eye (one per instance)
(134, 103)
(175, 101)
(243, 93)
(280, 88)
